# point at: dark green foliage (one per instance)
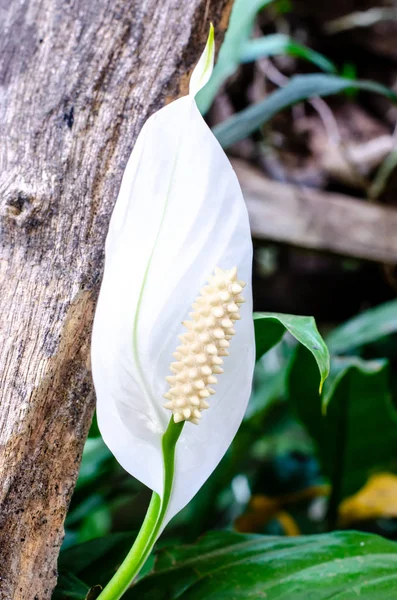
(225, 565)
(299, 87)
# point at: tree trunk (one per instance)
(77, 81)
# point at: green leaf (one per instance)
(278, 43)
(357, 435)
(300, 87)
(95, 455)
(94, 592)
(270, 328)
(97, 523)
(69, 587)
(367, 327)
(232, 566)
(239, 30)
(97, 560)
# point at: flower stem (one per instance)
(151, 525)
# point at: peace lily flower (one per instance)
(173, 343)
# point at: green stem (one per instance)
(151, 526)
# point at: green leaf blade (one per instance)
(358, 434)
(300, 87)
(225, 565)
(70, 587)
(270, 327)
(278, 43)
(96, 561)
(365, 328)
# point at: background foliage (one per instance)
(315, 455)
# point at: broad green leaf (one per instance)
(270, 328)
(85, 508)
(70, 587)
(239, 30)
(232, 566)
(97, 523)
(365, 328)
(278, 43)
(300, 87)
(341, 366)
(95, 562)
(356, 431)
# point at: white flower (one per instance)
(179, 216)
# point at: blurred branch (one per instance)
(319, 220)
(364, 18)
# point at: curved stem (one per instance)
(151, 525)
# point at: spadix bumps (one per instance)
(203, 346)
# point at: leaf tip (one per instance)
(211, 34)
(203, 70)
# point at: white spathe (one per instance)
(179, 214)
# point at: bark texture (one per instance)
(77, 80)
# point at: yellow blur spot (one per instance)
(263, 509)
(378, 498)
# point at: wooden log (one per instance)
(319, 220)
(78, 79)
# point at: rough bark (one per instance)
(77, 81)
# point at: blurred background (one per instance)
(302, 100)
